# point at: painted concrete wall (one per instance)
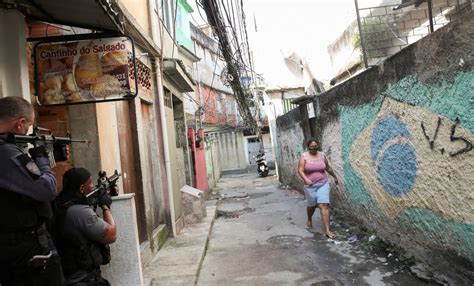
(400, 137)
(198, 151)
(139, 10)
(174, 163)
(212, 161)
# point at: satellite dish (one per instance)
(295, 65)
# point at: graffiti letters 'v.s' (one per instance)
(467, 144)
(401, 171)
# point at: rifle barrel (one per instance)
(47, 138)
(66, 139)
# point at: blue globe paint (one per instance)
(387, 128)
(396, 168)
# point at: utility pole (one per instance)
(211, 8)
(364, 54)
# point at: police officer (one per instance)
(27, 186)
(82, 236)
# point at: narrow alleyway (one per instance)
(258, 238)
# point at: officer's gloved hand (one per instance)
(39, 151)
(105, 199)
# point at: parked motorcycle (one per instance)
(262, 166)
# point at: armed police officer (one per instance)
(82, 236)
(27, 186)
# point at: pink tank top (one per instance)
(315, 170)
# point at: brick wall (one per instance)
(54, 118)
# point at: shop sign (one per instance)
(86, 70)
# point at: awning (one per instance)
(176, 72)
(101, 15)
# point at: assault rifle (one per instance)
(55, 146)
(105, 185)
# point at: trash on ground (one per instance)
(390, 255)
(353, 238)
(372, 237)
(337, 242)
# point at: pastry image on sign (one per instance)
(55, 67)
(107, 84)
(79, 71)
(116, 64)
(87, 70)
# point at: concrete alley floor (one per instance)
(258, 238)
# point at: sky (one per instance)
(286, 26)
(306, 27)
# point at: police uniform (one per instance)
(79, 232)
(27, 187)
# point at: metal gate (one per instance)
(253, 147)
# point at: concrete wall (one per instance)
(267, 146)
(291, 142)
(400, 137)
(139, 10)
(212, 161)
(125, 267)
(231, 150)
(13, 56)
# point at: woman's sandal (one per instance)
(330, 235)
(308, 226)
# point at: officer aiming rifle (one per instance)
(82, 237)
(104, 186)
(55, 146)
(27, 186)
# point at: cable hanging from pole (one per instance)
(234, 59)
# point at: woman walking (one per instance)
(312, 168)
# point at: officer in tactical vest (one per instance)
(82, 237)
(27, 186)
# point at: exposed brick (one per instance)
(403, 32)
(453, 2)
(378, 11)
(59, 170)
(418, 14)
(39, 29)
(412, 23)
(421, 31)
(400, 41)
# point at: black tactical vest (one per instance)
(20, 213)
(76, 254)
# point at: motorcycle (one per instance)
(262, 166)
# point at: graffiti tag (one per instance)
(452, 138)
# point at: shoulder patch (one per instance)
(30, 165)
(92, 219)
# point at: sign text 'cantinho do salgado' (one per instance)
(83, 71)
